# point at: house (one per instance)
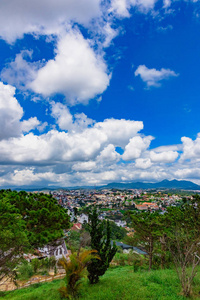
(127, 248)
(83, 218)
(58, 250)
(120, 223)
(76, 227)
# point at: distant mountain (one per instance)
(165, 184)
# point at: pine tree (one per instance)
(100, 233)
(148, 230)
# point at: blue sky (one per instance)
(95, 91)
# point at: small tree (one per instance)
(148, 228)
(183, 241)
(75, 271)
(36, 264)
(100, 233)
(186, 259)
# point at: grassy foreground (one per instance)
(118, 283)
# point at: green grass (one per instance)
(117, 284)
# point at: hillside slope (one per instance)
(119, 283)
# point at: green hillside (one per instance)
(117, 284)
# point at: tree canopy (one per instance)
(27, 221)
(43, 217)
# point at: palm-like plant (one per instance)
(75, 270)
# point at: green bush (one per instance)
(36, 264)
(130, 259)
(25, 271)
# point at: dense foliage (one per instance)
(176, 234)
(13, 238)
(117, 232)
(100, 233)
(27, 221)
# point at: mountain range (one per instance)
(165, 184)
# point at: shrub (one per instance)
(36, 264)
(25, 271)
(75, 271)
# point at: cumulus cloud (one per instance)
(191, 149)
(76, 72)
(43, 17)
(153, 77)
(73, 146)
(62, 116)
(163, 157)
(188, 173)
(11, 114)
(66, 121)
(143, 163)
(98, 170)
(30, 124)
(118, 132)
(136, 146)
(108, 155)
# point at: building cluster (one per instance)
(113, 203)
(115, 200)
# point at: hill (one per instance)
(118, 283)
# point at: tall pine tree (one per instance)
(100, 233)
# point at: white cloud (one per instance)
(167, 148)
(65, 120)
(109, 34)
(11, 113)
(18, 17)
(143, 163)
(152, 77)
(85, 154)
(30, 124)
(122, 7)
(29, 176)
(136, 146)
(188, 173)
(73, 146)
(62, 116)
(119, 132)
(84, 166)
(81, 122)
(191, 149)
(167, 3)
(19, 72)
(163, 157)
(91, 172)
(76, 72)
(108, 155)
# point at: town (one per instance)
(112, 204)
